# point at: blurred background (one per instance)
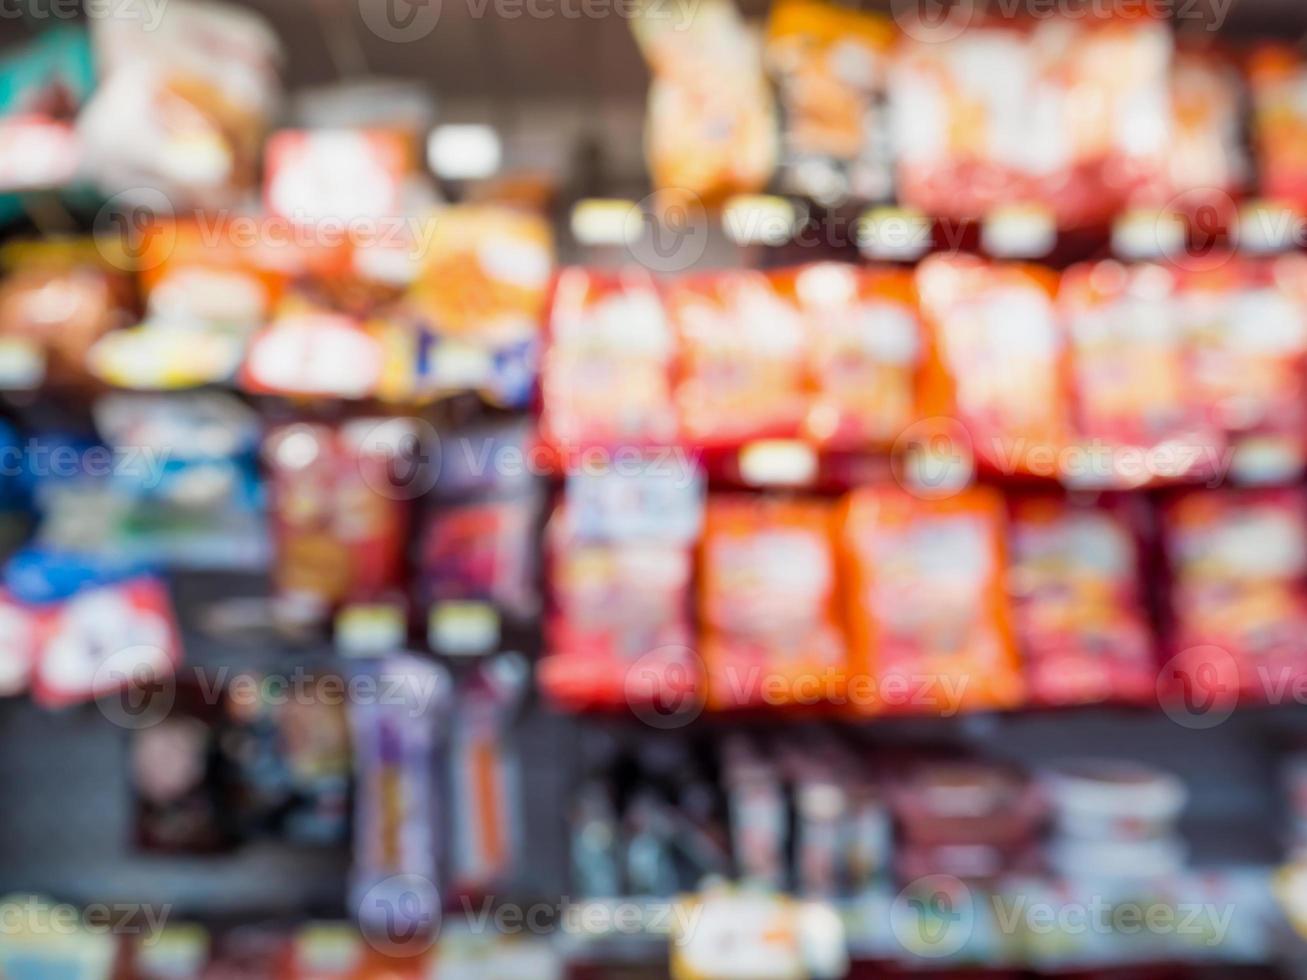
(653, 488)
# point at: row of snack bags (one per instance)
(1107, 375)
(250, 300)
(1083, 114)
(888, 602)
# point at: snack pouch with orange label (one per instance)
(998, 359)
(865, 351)
(1238, 559)
(829, 63)
(1245, 326)
(768, 603)
(743, 351)
(1077, 601)
(927, 613)
(1276, 78)
(1131, 376)
(1070, 113)
(607, 373)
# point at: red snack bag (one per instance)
(479, 552)
(1131, 377)
(1245, 324)
(1276, 76)
(1068, 113)
(768, 603)
(865, 351)
(621, 610)
(338, 526)
(607, 375)
(1238, 559)
(927, 612)
(1077, 602)
(103, 639)
(743, 348)
(998, 359)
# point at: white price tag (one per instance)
(22, 364)
(737, 936)
(1265, 227)
(759, 219)
(463, 629)
(900, 234)
(370, 630)
(606, 221)
(1019, 231)
(1148, 234)
(778, 462)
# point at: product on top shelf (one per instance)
(1205, 164)
(711, 127)
(1238, 560)
(1245, 325)
(607, 375)
(830, 65)
(310, 351)
(57, 299)
(1077, 600)
(999, 363)
(864, 351)
(1131, 377)
(769, 624)
(1276, 76)
(743, 350)
(1068, 113)
(185, 96)
(42, 85)
(926, 608)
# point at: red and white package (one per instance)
(620, 627)
(998, 361)
(771, 632)
(1077, 601)
(338, 519)
(1138, 415)
(337, 175)
(744, 348)
(865, 352)
(104, 639)
(1071, 114)
(1238, 561)
(1245, 326)
(313, 353)
(607, 376)
(927, 612)
(18, 627)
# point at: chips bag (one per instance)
(1276, 78)
(768, 603)
(1077, 601)
(998, 364)
(927, 615)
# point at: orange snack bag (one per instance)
(768, 609)
(998, 360)
(927, 613)
(1276, 76)
(743, 350)
(864, 354)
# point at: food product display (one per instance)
(858, 531)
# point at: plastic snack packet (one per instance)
(42, 86)
(743, 352)
(711, 129)
(928, 620)
(339, 530)
(830, 65)
(998, 360)
(1068, 113)
(1245, 327)
(1077, 601)
(1238, 560)
(479, 552)
(398, 803)
(865, 352)
(1135, 401)
(1276, 76)
(1206, 163)
(770, 626)
(486, 801)
(314, 354)
(607, 373)
(103, 639)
